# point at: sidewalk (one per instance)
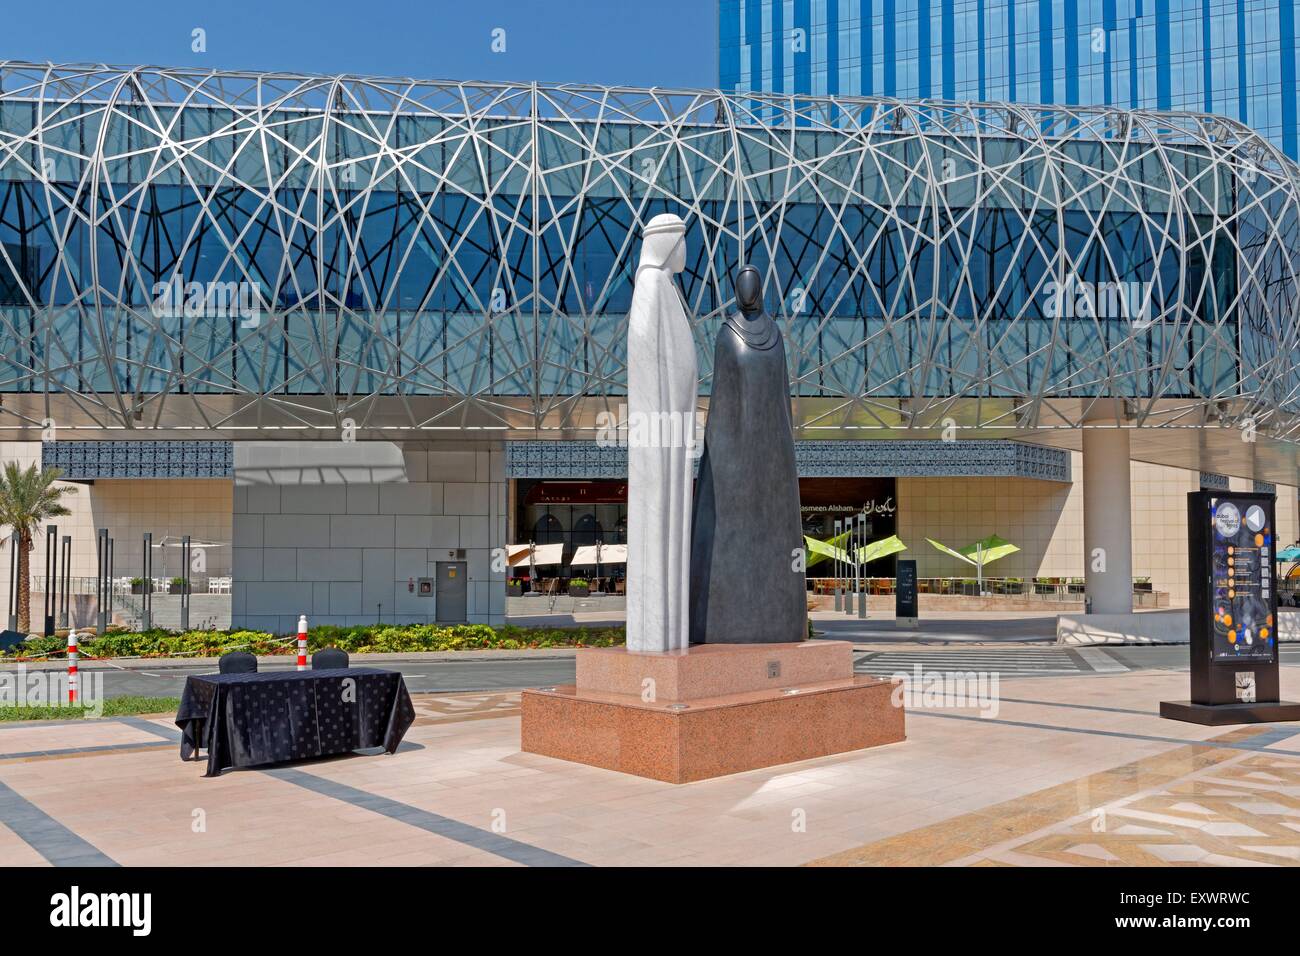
(1071, 771)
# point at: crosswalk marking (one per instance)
(1029, 661)
(1100, 661)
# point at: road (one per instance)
(509, 672)
(980, 627)
(505, 673)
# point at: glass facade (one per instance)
(1236, 58)
(362, 247)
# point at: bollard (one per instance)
(302, 642)
(72, 668)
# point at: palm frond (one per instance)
(29, 496)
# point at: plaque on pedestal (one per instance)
(1233, 589)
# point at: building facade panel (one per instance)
(1237, 58)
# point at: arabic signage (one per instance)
(885, 507)
(823, 501)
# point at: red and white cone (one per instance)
(72, 668)
(302, 642)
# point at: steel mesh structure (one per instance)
(265, 254)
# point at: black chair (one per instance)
(237, 662)
(330, 658)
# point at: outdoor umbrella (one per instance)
(517, 554)
(881, 549)
(830, 548)
(982, 552)
(598, 554)
(609, 554)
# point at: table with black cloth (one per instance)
(248, 720)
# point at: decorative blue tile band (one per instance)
(1213, 482)
(931, 459)
(1265, 487)
(819, 459)
(88, 460)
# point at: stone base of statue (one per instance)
(711, 710)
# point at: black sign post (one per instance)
(1232, 558)
(905, 602)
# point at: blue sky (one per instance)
(629, 42)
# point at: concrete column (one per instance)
(1107, 520)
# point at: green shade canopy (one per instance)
(949, 551)
(982, 552)
(821, 550)
(834, 548)
(990, 549)
(1291, 553)
(881, 549)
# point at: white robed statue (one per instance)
(662, 381)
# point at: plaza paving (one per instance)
(1074, 769)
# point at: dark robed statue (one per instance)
(746, 535)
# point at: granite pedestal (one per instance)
(711, 710)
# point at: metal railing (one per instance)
(122, 585)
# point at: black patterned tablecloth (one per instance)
(248, 720)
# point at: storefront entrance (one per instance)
(823, 501)
(574, 514)
(577, 514)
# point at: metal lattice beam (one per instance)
(429, 256)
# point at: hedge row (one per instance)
(362, 639)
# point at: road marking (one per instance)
(1030, 661)
(1100, 661)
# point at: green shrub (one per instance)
(38, 646)
(358, 639)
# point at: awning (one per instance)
(1290, 553)
(609, 554)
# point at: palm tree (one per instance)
(27, 499)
